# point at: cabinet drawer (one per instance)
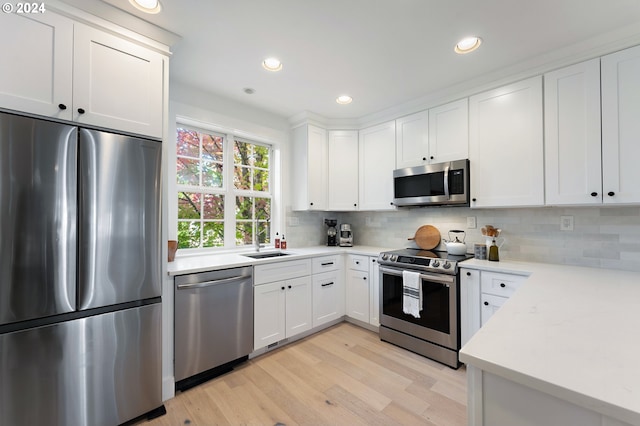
(326, 263)
(358, 263)
(500, 284)
(281, 271)
(490, 305)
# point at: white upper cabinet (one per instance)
(67, 70)
(621, 126)
(449, 132)
(36, 73)
(116, 83)
(376, 163)
(506, 146)
(573, 173)
(434, 136)
(412, 140)
(309, 168)
(343, 170)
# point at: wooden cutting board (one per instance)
(427, 237)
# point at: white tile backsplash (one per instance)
(607, 237)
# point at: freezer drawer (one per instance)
(100, 370)
(213, 319)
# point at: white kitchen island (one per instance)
(564, 350)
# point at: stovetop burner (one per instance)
(423, 260)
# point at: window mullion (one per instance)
(230, 196)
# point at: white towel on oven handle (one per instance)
(411, 293)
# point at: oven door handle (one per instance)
(445, 279)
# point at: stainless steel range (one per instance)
(435, 332)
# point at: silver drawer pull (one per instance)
(213, 282)
(326, 284)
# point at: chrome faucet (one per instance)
(256, 241)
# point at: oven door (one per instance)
(438, 322)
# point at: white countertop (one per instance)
(211, 262)
(571, 332)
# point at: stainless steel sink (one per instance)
(265, 255)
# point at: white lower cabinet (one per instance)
(374, 289)
(482, 293)
(363, 294)
(358, 287)
(328, 289)
(283, 307)
(328, 297)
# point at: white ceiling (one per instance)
(381, 52)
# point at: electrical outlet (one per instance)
(566, 223)
(471, 222)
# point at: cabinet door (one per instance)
(621, 126)
(328, 297)
(469, 304)
(506, 147)
(572, 142)
(37, 61)
(412, 140)
(343, 170)
(309, 168)
(490, 305)
(269, 314)
(449, 132)
(374, 292)
(299, 315)
(116, 84)
(358, 295)
(377, 161)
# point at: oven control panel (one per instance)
(418, 263)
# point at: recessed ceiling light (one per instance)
(272, 64)
(467, 45)
(147, 6)
(344, 99)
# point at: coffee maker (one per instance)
(331, 232)
(346, 236)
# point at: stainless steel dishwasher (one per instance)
(213, 323)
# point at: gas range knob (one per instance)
(435, 263)
(393, 257)
(384, 256)
(446, 264)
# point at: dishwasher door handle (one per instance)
(213, 282)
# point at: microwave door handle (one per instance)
(446, 182)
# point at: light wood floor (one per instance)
(341, 376)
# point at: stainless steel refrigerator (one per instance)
(80, 287)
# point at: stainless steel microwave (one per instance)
(433, 184)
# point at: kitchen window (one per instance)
(223, 189)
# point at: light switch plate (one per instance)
(471, 222)
(566, 223)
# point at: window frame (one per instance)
(228, 189)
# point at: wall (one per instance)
(605, 237)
